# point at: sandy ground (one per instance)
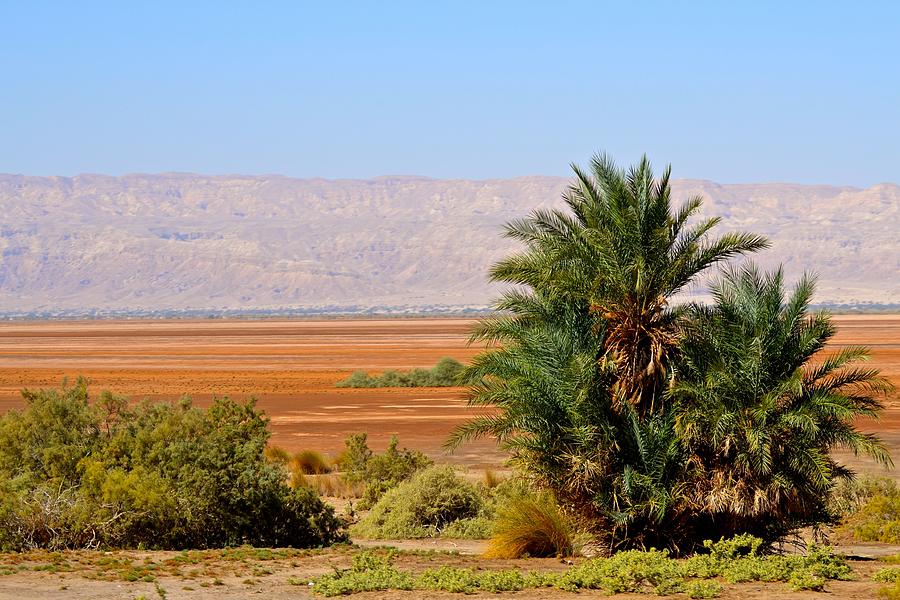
(214, 578)
(292, 366)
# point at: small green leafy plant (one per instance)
(445, 373)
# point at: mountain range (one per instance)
(170, 242)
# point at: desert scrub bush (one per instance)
(377, 472)
(77, 474)
(423, 506)
(445, 373)
(849, 495)
(873, 511)
(530, 525)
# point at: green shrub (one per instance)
(806, 580)
(887, 575)
(530, 525)
(424, 506)
(849, 495)
(370, 572)
(631, 571)
(703, 589)
(445, 373)
(374, 572)
(377, 472)
(877, 516)
(78, 475)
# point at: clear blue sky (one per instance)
(735, 92)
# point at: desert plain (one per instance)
(291, 367)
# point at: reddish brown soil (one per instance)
(292, 366)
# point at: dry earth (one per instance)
(207, 575)
(292, 366)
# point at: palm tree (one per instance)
(550, 407)
(658, 425)
(759, 414)
(621, 248)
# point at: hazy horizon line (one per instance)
(422, 177)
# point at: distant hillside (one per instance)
(176, 241)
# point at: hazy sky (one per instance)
(782, 91)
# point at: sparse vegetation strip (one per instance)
(445, 373)
(655, 572)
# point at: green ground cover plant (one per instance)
(633, 571)
(81, 474)
(661, 424)
(445, 373)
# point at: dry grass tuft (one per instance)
(310, 462)
(277, 455)
(492, 479)
(329, 485)
(533, 526)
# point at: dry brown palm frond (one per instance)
(639, 342)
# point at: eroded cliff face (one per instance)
(176, 241)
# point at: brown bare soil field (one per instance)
(291, 368)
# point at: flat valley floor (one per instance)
(291, 367)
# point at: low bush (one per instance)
(77, 474)
(445, 373)
(377, 473)
(633, 571)
(873, 511)
(424, 506)
(849, 495)
(703, 589)
(530, 525)
(375, 572)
